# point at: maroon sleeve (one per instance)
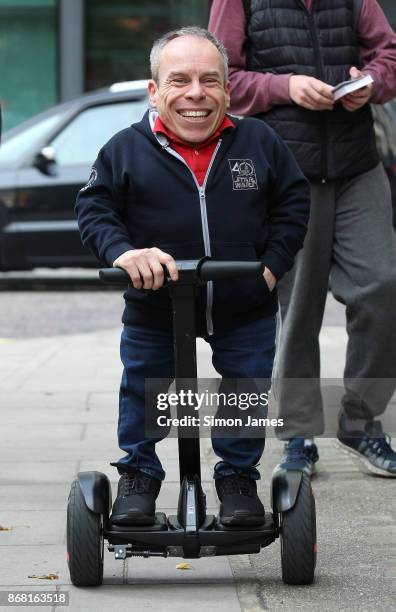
(251, 92)
(377, 43)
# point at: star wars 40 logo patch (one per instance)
(243, 174)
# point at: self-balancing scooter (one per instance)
(191, 533)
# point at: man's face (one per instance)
(191, 97)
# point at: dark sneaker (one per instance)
(240, 505)
(135, 501)
(371, 446)
(299, 456)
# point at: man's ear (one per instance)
(228, 93)
(152, 92)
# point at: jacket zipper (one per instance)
(315, 42)
(205, 227)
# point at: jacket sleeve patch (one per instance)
(92, 178)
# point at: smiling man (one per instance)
(185, 182)
(195, 65)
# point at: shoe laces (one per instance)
(305, 453)
(240, 485)
(378, 441)
(380, 445)
(138, 483)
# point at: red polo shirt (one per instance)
(196, 156)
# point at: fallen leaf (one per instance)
(2, 528)
(183, 566)
(46, 577)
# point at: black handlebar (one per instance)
(205, 270)
(114, 276)
(216, 270)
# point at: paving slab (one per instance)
(31, 472)
(20, 562)
(165, 597)
(68, 450)
(77, 415)
(32, 497)
(34, 526)
(100, 400)
(22, 402)
(36, 435)
(91, 378)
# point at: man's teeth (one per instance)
(194, 113)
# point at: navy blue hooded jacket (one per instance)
(253, 205)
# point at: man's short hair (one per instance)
(195, 31)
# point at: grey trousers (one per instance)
(351, 239)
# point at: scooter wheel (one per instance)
(298, 537)
(85, 542)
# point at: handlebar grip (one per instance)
(114, 276)
(216, 270)
(206, 270)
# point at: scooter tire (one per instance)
(298, 537)
(85, 542)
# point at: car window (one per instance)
(19, 145)
(81, 139)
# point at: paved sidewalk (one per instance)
(58, 411)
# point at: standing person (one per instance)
(185, 182)
(285, 58)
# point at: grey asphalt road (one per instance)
(34, 314)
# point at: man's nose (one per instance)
(195, 91)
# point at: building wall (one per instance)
(28, 58)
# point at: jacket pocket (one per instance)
(239, 295)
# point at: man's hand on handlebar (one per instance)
(144, 267)
(269, 278)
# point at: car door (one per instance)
(47, 189)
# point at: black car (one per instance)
(47, 159)
(43, 164)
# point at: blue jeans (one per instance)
(246, 352)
